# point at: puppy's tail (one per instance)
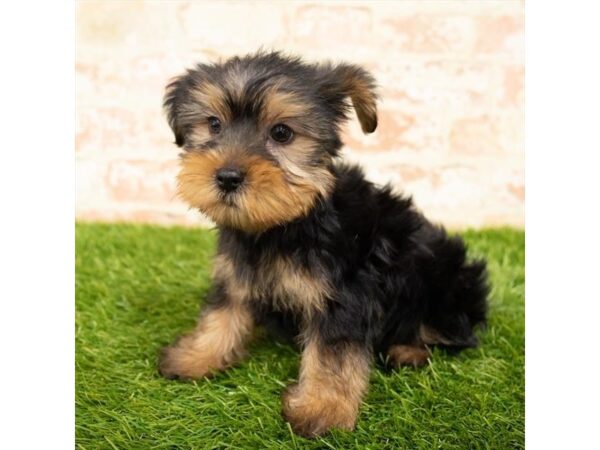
(458, 297)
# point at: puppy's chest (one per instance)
(279, 281)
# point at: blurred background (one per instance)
(451, 118)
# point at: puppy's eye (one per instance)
(281, 133)
(214, 125)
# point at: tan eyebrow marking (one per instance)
(214, 98)
(280, 105)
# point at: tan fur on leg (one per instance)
(331, 386)
(408, 355)
(216, 343)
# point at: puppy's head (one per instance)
(259, 134)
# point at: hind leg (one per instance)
(415, 355)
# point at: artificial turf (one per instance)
(139, 287)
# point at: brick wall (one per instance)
(451, 117)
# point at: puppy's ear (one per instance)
(347, 80)
(176, 96)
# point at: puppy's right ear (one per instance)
(176, 96)
(350, 81)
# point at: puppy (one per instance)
(307, 246)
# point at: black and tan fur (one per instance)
(308, 247)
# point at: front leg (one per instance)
(217, 342)
(333, 379)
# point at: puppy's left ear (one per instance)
(347, 80)
(176, 95)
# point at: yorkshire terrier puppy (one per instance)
(307, 245)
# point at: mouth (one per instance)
(253, 195)
(228, 199)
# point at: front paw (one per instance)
(314, 415)
(183, 363)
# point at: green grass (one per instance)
(139, 287)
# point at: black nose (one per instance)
(229, 179)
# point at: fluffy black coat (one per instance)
(393, 271)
